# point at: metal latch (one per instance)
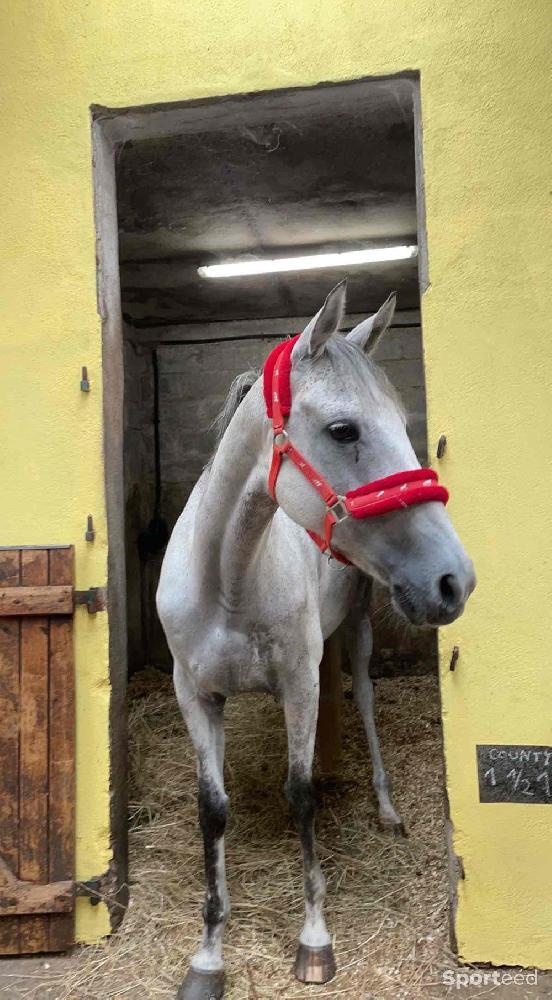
(93, 598)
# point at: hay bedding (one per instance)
(387, 898)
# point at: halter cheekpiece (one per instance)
(395, 492)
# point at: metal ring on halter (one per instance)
(283, 436)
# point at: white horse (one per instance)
(247, 598)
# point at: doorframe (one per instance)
(112, 127)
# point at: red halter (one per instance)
(402, 489)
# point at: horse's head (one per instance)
(348, 422)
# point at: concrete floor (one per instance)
(38, 978)
(28, 977)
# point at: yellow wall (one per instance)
(487, 140)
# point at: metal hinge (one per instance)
(93, 598)
(93, 889)
(104, 889)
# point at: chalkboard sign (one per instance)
(514, 773)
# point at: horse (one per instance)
(272, 553)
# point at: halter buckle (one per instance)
(339, 510)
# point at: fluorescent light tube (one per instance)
(350, 258)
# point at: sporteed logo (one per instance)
(461, 980)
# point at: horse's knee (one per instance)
(302, 800)
(213, 809)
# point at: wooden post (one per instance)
(329, 714)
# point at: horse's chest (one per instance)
(240, 658)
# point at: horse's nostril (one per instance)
(451, 591)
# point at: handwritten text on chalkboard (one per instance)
(514, 773)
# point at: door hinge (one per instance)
(104, 888)
(94, 889)
(93, 598)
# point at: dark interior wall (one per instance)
(194, 382)
(139, 487)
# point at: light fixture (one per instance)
(350, 258)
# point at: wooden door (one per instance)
(37, 750)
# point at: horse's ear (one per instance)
(367, 333)
(322, 326)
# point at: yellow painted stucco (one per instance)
(487, 135)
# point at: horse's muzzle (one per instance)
(437, 603)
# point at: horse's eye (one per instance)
(344, 431)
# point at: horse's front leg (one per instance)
(315, 962)
(204, 719)
(359, 641)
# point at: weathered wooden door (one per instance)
(37, 750)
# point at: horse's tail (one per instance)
(238, 391)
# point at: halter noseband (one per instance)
(395, 492)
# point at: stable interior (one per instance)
(321, 170)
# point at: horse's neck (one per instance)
(234, 515)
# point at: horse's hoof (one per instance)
(314, 965)
(390, 822)
(202, 986)
(395, 827)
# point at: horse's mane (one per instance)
(237, 392)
